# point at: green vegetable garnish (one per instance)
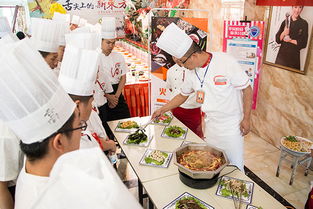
(291, 138)
(174, 131)
(137, 137)
(188, 202)
(165, 118)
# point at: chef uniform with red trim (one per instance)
(188, 113)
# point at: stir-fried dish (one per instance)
(128, 124)
(296, 144)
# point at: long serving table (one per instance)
(163, 184)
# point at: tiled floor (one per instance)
(262, 159)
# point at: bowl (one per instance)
(294, 152)
(200, 174)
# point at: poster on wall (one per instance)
(288, 38)
(244, 41)
(161, 62)
(94, 10)
(39, 8)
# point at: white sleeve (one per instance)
(238, 78)
(124, 68)
(168, 79)
(187, 88)
(104, 81)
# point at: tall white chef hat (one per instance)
(79, 71)
(45, 34)
(4, 26)
(9, 38)
(83, 40)
(174, 41)
(75, 19)
(63, 21)
(33, 103)
(108, 28)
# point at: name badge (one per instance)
(200, 97)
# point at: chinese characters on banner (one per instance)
(94, 10)
(244, 41)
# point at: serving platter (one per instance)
(127, 130)
(293, 150)
(165, 133)
(145, 158)
(164, 120)
(188, 196)
(141, 144)
(223, 191)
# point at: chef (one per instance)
(84, 179)
(74, 22)
(45, 38)
(11, 157)
(39, 112)
(221, 86)
(114, 64)
(189, 113)
(78, 76)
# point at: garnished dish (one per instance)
(200, 160)
(174, 131)
(156, 158)
(127, 126)
(236, 189)
(253, 207)
(187, 201)
(297, 144)
(164, 119)
(138, 138)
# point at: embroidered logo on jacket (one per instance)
(220, 80)
(116, 70)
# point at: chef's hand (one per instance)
(157, 113)
(111, 105)
(245, 126)
(112, 99)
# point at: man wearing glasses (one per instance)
(221, 87)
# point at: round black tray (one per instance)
(198, 183)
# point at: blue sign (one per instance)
(254, 31)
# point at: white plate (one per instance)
(172, 205)
(251, 207)
(170, 137)
(187, 142)
(249, 186)
(145, 144)
(117, 129)
(165, 163)
(298, 137)
(164, 124)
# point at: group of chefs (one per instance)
(58, 89)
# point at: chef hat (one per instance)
(174, 41)
(82, 22)
(89, 41)
(108, 28)
(79, 71)
(75, 20)
(61, 17)
(4, 26)
(45, 34)
(8, 38)
(33, 103)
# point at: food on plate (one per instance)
(297, 144)
(165, 118)
(138, 137)
(128, 124)
(156, 157)
(189, 203)
(174, 131)
(200, 160)
(234, 188)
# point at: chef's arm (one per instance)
(6, 200)
(121, 86)
(247, 103)
(175, 102)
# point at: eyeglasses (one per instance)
(188, 57)
(83, 127)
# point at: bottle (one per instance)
(113, 158)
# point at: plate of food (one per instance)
(127, 126)
(138, 138)
(297, 144)
(188, 201)
(164, 119)
(236, 189)
(174, 132)
(156, 158)
(253, 207)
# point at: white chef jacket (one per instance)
(115, 65)
(176, 77)
(94, 125)
(11, 157)
(85, 179)
(222, 104)
(28, 188)
(103, 86)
